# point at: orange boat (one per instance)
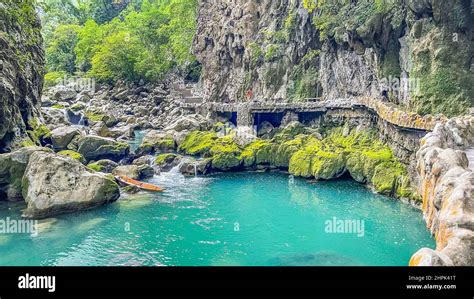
(143, 186)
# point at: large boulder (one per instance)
(188, 123)
(166, 162)
(97, 148)
(265, 130)
(62, 136)
(55, 117)
(105, 165)
(12, 168)
(157, 142)
(195, 167)
(130, 171)
(136, 172)
(428, 257)
(55, 184)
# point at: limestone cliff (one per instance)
(414, 53)
(21, 71)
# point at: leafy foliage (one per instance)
(128, 40)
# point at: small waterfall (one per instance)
(195, 169)
(75, 119)
(177, 167)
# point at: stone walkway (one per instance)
(470, 157)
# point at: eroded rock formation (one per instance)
(447, 189)
(21, 72)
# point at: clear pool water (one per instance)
(228, 219)
(137, 140)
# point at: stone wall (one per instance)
(21, 70)
(447, 188)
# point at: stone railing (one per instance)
(447, 188)
(392, 114)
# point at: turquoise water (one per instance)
(227, 219)
(137, 140)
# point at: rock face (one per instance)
(12, 168)
(415, 53)
(447, 189)
(235, 45)
(54, 184)
(21, 71)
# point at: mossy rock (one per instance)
(165, 158)
(283, 152)
(225, 154)
(74, 155)
(96, 167)
(327, 165)
(97, 148)
(198, 143)
(106, 166)
(225, 161)
(145, 149)
(165, 145)
(94, 116)
(249, 154)
(361, 164)
(38, 133)
(385, 177)
(77, 107)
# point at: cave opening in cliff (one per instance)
(273, 118)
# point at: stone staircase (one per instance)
(186, 93)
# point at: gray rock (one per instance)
(54, 184)
(63, 93)
(62, 136)
(167, 162)
(98, 148)
(184, 123)
(106, 166)
(12, 169)
(265, 129)
(136, 172)
(195, 167)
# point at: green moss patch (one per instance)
(74, 155)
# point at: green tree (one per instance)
(60, 55)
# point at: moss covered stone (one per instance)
(198, 143)
(38, 133)
(74, 155)
(257, 152)
(94, 116)
(309, 156)
(96, 167)
(97, 148)
(165, 158)
(225, 154)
